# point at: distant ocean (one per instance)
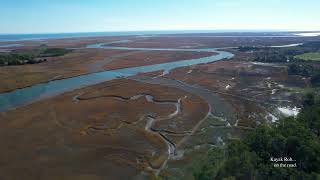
(19, 37)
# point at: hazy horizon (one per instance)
(171, 31)
(80, 16)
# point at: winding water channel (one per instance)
(26, 95)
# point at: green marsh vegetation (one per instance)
(312, 56)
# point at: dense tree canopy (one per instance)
(250, 157)
(30, 56)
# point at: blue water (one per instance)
(10, 45)
(26, 95)
(19, 37)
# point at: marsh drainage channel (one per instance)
(36, 92)
(150, 119)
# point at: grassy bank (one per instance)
(315, 56)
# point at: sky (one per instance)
(57, 16)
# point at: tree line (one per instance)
(21, 57)
(251, 157)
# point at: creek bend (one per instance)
(36, 92)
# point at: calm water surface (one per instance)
(30, 94)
